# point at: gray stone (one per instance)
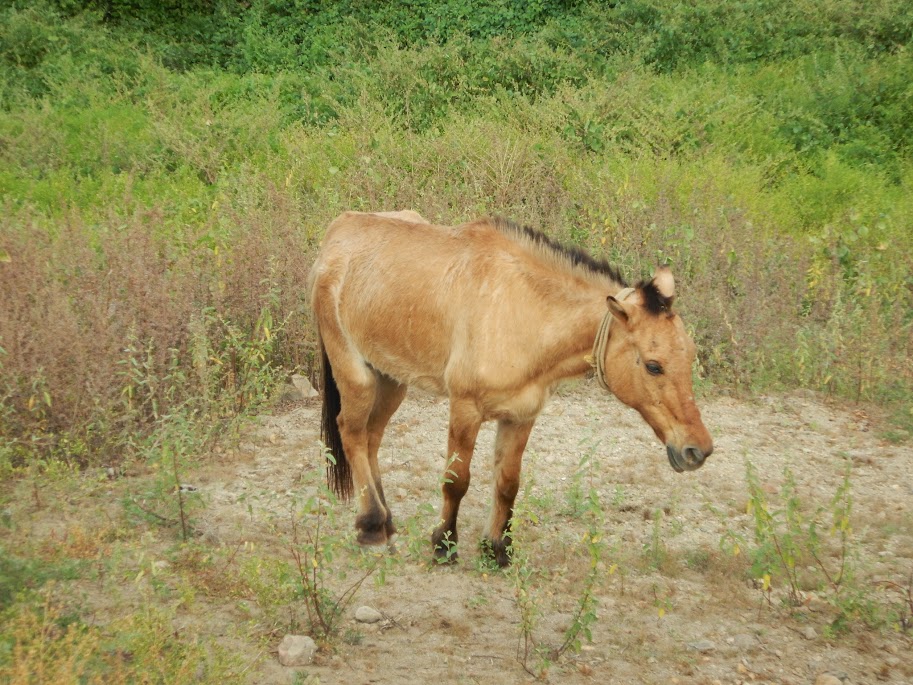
(702, 646)
(296, 650)
(809, 633)
(365, 614)
(303, 386)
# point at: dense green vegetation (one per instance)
(166, 170)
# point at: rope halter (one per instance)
(602, 340)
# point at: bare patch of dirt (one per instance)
(687, 615)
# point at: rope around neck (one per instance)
(602, 340)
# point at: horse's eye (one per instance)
(654, 368)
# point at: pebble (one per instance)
(742, 642)
(809, 633)
(828, 679)
(296, 650)
(702, 646)
(366, 614)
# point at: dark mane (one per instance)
(573, 257)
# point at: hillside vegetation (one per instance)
(167, 170)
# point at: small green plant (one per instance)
(416, 530)
(655, 553)
(799, 551)
(447, 550)
(585, 614)
(523, 576)
(167, 500)
(577, 497)
(314, 554)
(903, 601)
(315, 548)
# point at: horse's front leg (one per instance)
(509, 445)
(465, 421)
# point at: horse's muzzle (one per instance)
(691, 458)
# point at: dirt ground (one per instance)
(673, 607)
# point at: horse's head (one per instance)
(647, 362)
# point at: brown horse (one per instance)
(493, 316)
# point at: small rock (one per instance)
(809, 633)
(401, 494)
(365, 614)
(247, 448)
(702, 646)
(743, 642)
(303, 385)
(296, 650)
(160, 565)
(828, 679)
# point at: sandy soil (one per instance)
(691, 616)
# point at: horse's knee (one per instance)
(456, 488)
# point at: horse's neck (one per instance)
(572, 319)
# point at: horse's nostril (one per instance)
(693, 455)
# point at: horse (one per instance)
(492, 315)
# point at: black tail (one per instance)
(339, 475)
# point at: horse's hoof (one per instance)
(371, 538)
(499, 550)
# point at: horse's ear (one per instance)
(658, 292)
(619, 311)
(664, 282)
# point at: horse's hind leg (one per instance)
(465, 422)
(357, 384)
(509, 445)
(389, 395)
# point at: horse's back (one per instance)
(381, 279)
(430, 305)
